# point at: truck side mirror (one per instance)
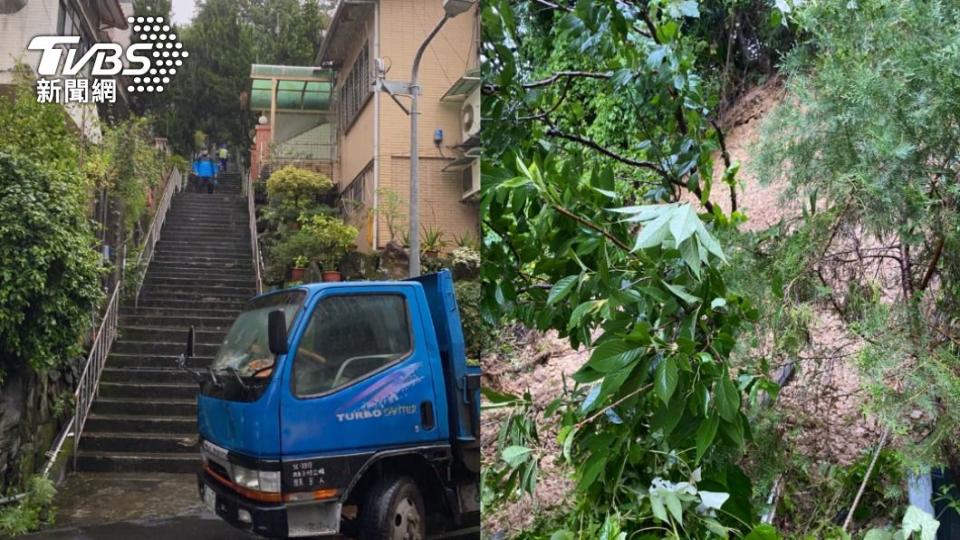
(191, 337)
(277, 332)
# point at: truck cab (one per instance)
(343, 408)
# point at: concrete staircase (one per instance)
(144, 419)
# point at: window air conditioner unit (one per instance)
(470, 180)
(470, 116)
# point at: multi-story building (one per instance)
(93, 20)
(365, 134)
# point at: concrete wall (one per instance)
(404, 24)
(16, 31)
(355, 146)
(39, 17)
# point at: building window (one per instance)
(352, 198)
(355, 89)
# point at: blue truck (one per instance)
(343, 408)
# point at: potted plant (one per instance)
(334, 238)
(431, 242)
(299, 266)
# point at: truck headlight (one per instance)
(245, 477)
(268, 481)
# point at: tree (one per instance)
(867, 139)
(599, 124)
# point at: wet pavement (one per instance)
(203, 525)
(104, 506)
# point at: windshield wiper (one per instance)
(236, 373)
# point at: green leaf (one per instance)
(580, 311)
(681, 293)
(514, 456)
(705, 435)
(591, 469)
(497, 397)
(716, 528)
(656, 505)
(691, 255)
(763, 532)
(613, 355)
(683, 223)
(665, 379)
(653, 233)
(878, 534)
(561, 288)
(728, 398)
(673, 504)
(916, 520)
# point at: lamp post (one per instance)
(451, 8)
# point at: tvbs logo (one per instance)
(147, 65)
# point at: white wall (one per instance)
(16, 30)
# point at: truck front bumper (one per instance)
(277, 520)
(265, 519)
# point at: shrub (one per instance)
(468, 299)
(335, 237)
(296, 190)
(322, 238)
(30, 512)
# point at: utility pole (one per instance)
(451, 8)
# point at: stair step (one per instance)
(141, 423)
(204, 273)
(182, 322)
(163, 335)
(200, 290)
(212, 280)
(138, 462)
(169, 374)
(188, 302)
(151, 443)
(124, 346)
(155, 406)
(152, 390)
(127, 360)
(179, 259)
(189, 312)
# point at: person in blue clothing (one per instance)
(206, 170)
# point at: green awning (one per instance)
(299, 88)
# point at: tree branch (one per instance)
(931, 268)
(590, 225)
(727, 162)
(570, 74)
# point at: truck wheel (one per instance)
(393, 510)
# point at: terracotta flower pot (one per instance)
(432, 254)
(332, 275)
(296, 274)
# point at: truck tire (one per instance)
(393, 510)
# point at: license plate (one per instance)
(210, 499)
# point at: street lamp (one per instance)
(451, 8)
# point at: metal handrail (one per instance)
(252, 217)
(153, 235)
(88, 384)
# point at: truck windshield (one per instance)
(245, 351)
